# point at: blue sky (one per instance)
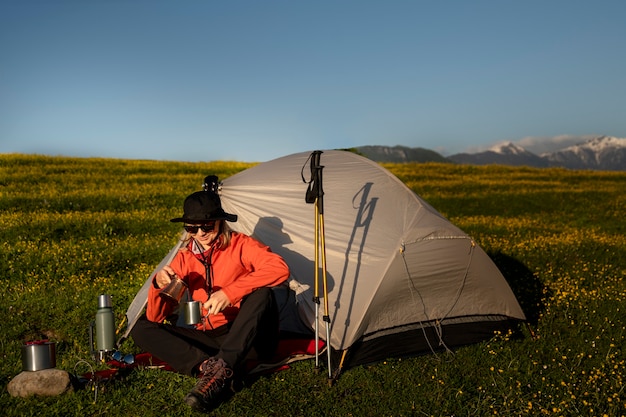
(255, 80)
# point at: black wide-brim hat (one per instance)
(203, 207)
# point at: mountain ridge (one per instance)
(606, 153)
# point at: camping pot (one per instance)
(192, 312)
(38, 355)
(175, 290)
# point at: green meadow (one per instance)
(74, 228)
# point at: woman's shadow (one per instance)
(269, 230)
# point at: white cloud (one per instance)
(487, 147)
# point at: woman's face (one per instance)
(204, 233)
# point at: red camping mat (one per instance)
(288, 351)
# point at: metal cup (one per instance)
(175, 290)
(38, 355)
(192, 312)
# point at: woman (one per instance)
(231, 274)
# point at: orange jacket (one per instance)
(239, 269)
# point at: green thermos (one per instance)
(105, 326)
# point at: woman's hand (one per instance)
(164, 276)
(218, 301)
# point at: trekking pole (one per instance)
(316, 288)
(315, 195)
(322, 239)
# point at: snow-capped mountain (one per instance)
(504, 154)
(508, 148)
(603, 153)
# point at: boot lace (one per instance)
(214, 374)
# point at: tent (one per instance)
(402, 280)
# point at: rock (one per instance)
(47, 382)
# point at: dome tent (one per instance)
(402, 280)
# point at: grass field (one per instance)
(73, 228)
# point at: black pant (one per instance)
(252, 335)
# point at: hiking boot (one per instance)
(212, 379)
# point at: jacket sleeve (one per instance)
(264, 269)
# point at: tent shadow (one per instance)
(528, 289)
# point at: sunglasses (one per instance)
(205, 228)
(127, 359)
